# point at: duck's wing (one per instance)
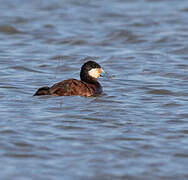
(71, 87)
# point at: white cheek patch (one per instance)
(94, 73)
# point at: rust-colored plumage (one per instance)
(87, 86)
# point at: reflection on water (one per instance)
(136, 130)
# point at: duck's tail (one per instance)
(42, 91)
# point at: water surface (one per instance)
(137, 129)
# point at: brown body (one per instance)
(87, 86)
(71, 87)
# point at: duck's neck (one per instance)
(93, 82)
(88, 79)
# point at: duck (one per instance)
(87, 86)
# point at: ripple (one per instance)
(180, 51)
(124, 35)
(61, 57)
(176, 121)
(23, 68)
(182, 66)
(24, 155)
(160, 92)
(181, 155)
(72, 41)
(9, 30)
(21, 20)
(162, 40)
(184, 131)
(8, 87)
(23, 144)
(183, 115)
(7, 132)
(169, 105)
(185, 9)
(129, 139)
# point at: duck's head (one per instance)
(90, 71)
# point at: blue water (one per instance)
(137, 129)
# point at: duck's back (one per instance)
(71, 87)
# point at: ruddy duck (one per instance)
(87, 86)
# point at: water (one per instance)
(137, 129)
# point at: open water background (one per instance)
(137, 130)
